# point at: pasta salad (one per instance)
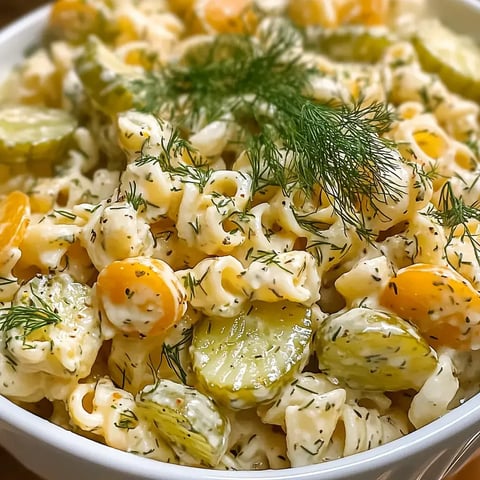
(241, 234)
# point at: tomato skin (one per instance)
(330, 15)
(141, 295)
(14, 219)
(439, 301)
(73, 20)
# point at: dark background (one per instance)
(12, 9)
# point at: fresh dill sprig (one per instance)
(338, 148)
(292, 141)
(172, 354)
(453, 213)
(38, 314)
(135, 199)
(216, 77)
(317, 249)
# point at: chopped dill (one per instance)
(268, 258)
(172, 354)
(196, 173)
(191, 283)
(38, 314)
(65, 213)
(135, 199)
(310, 225)
(171, 147)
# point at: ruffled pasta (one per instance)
(112, 416)
(433, 399)
(63, 347)
(222, 286)
(323, 421)
(115, 231)
(254, 445)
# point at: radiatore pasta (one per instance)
(240, 234)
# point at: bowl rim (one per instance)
(16, 419)
(437, 432)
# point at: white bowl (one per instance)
(57, 454)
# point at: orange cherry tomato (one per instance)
(141, 295)
(226, 16)
(439, 301)
(74, 20)
(366, 12)
(14, 218)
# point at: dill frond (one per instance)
(197, 173)
(452, 210)
(291, 141)
(453, 213)
(172, 354)
(38, 314)
(208, 84)
(268, 258)
(134, 198)
(128, 420)
(310, 225)
(337, 148)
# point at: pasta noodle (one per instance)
(239, 235)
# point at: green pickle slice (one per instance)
(107, 80)
(373, 350)
(352, 43)
(455, 58)
(245, 360)
(188, 420)
(34, 133)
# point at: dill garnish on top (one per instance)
(34, 316)
(291, 140)
(455, 215)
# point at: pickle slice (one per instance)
(372, 350)
(107, 80)
(188, 420)
(245, 360)
(34, 133)
(352, 43)
(455, 58)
